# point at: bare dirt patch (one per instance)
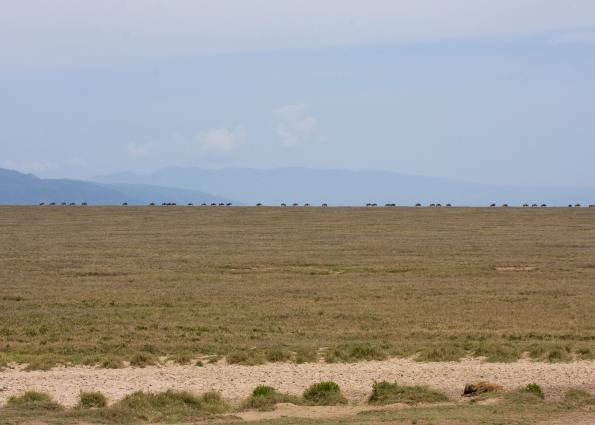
(235, 382)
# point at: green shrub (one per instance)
(169, 406)
(324, 394)
(33, 400)
(265, 398)
(92, 400)
(535, 390)
(387, 393)
(142, 359)
(355, 353)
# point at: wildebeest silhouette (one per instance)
(492, 205)
(418, 205)
(283, 204)
(324, 205)
(449, 205)
(259, 205)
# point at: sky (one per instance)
(474, 90)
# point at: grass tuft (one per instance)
(355, 353)
(245, 357)
(265, 398)
(387, 393)
(143, 359)
(169, 406)
(91, 400)
(276, 355)
(33, 400)
(324, 394)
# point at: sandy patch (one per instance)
(235, 382)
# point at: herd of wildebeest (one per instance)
(229, 204)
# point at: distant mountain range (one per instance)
(25, 189)
(343, 187)
(276, 186)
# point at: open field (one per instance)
(102, 285)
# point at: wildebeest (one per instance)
(492, 205)
(306, 205)
(228, 204)
(42, 203)
(390, 205)
(543, 205)
(432, 205)
(324, 205)
(259, 205)
(52, 203)
(525, 205)
(72, 204)
(418, 205)
(124, 204)
(152, 204)
(449, 205)
(84, 204)
(504, 205)
(283, 204)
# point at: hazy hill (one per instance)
(343, 187)
(23, 189)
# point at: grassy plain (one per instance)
(101, 285)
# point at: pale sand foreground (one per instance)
(236, 382)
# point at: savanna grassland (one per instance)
(106, 285)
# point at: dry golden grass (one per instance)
(92, 285)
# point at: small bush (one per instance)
(265, 398)
(276, 355)
(199, 363)
(33, 400)
(355, 353)
(169, 406)
(142, 359)
(387, 393)
(535, 390)
(92, 400)
(324, 394)
(576, 397)
(245, 357)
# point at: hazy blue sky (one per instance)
(478, 90)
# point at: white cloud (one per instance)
(142, 150)
(221, 140)
(294, 125)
